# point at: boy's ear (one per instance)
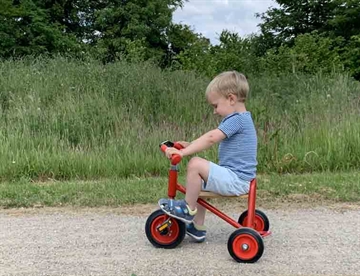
(232, 98)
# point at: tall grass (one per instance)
(66, 119)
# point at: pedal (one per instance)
(164, 227)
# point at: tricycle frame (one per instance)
(174, 186)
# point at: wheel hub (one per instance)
(245, 247)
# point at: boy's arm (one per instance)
(204, 142)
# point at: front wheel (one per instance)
(245, 245)
(164, 231)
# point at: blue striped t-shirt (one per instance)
(238, 150)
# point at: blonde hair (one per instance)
(230, 82)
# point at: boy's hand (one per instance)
(184, 143)
(170, 151)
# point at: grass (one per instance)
(337, 187)
(64, 119)
(94, 130)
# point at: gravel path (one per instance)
(305, 241)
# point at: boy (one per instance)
(236, 134)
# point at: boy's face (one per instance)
(223, 106)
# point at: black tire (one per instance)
(170, 238)
(245, 245)
(261, 220)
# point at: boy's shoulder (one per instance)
(236, 123)
(237, 116)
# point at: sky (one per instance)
(210, 17)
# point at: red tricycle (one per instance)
(245, 244)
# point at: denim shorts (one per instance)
(225, 182)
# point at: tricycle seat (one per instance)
(206, 194)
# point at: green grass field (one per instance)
(68, 125)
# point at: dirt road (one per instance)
(305, 241)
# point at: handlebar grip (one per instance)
(178, 146)
(175, 158)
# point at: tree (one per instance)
(112, 28)
(181, 38)
(235, 53)
(26, 28)
(310, 53)
(345, 21)
(119, 22)
(197, 57)
(71, 15)
(337, 20)
(293, 17)
(232, 53)
(351, 56)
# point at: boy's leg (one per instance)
(199, 218)
(185, 210)
(197, 171)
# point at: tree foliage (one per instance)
(27, 28)
(309, 54)
(294, 18)
(333, 22)
(111, 28)
(345, 20)
(119, 22)
(232, 53)
(297, 36)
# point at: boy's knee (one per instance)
(199, 165)
(195, 162)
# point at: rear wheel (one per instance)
(245, 245)
(163, 231)
(261, 221)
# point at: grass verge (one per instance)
(338, 187)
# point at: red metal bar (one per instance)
(218, 213)
(251, 204)
(211, 208)
(180, 188)
(172, 184)
(265, 233)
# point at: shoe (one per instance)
(177, 209)
(198, 235)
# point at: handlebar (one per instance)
(175, 158)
